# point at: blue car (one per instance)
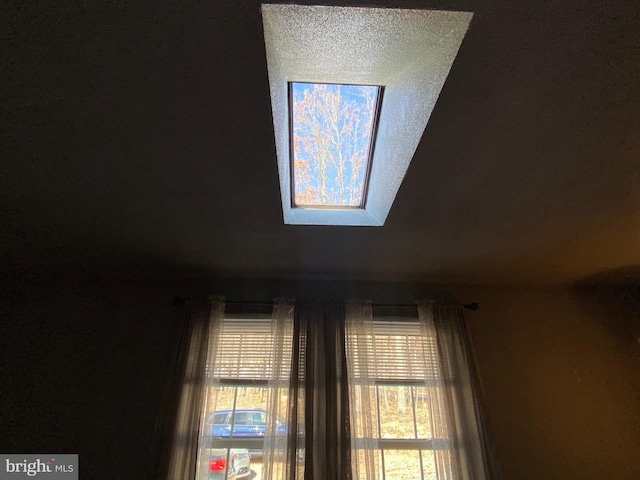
(246, 422)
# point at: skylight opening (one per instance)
(332, 132)
(410, 52)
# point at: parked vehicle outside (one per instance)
(218, 466)
(238, 466)
(241, 461)
(246, 422)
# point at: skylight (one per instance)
(408, 53)
(332, 132)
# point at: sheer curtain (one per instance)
(391, 366)
(277, 439)
(360, 355)
(458, 414)
(430, 358)
(176, 437)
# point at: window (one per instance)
(333, 135)
(236, 399)
(408, 52)
(381, 397)
(403, 374)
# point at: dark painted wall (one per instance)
(83, 369)
(561, 375)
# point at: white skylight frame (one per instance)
(408, 52)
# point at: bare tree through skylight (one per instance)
(332, 128)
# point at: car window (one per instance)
(243, 418)
(220, 418)
(258, 418)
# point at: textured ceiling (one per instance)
(137, 140)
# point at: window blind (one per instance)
(246, 349)
(396, 352)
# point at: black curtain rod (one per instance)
(469, 306)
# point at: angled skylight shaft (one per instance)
(332, 136)
(407, 52)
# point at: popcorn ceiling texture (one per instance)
(409, 52)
